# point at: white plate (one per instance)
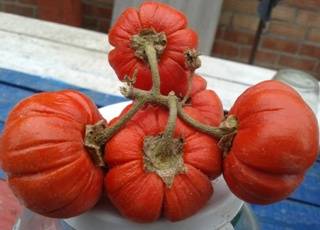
(220, 209)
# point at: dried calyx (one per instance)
(192, 62)
(230, 125)
(148, 37)
(164, 159)
(91, 142)
(192, 59)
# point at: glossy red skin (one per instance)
(204, 101)
(42, 151)
(162, 18)
(276, 142)
(142, 196)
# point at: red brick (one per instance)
(241, 6)
(298, 63)
(104, 25)
(90, 23)
(265, 57)
(308, 4)
(62, 11)
(283, 13)
(225, 49)
(91, 10)
(245, 22)
(316, 75)
(101, 3)
(287, 29)
(310, 50)
(220, 33)
(314, 35)
(239, 37)
(225, 18)
(318, 70)
(29, 2)
(308, 18)
(279, 45)
(245, 53)
(15, 8)
(267, 65)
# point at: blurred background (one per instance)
(291, 38)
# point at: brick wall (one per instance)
(22, 7)
(290, 39)
(96, 13)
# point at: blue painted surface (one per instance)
(309, 191)
(10, 96)
(34, 84)
(300, 211)
(2, 175)
(289, 215)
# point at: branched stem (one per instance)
(149, 45)
(153, 63)
(186, 97)
(98, 134)
(217, 132)
(110, 131)
(134, 93)
(211, 130)
(171, 124)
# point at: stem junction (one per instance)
(163, 153)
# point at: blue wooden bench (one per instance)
(300, 211)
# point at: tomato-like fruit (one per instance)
(204, 101)
(276, 142)
(153, 18)
(42, 151)
(143, 195)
